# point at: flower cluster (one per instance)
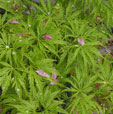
(44, 74)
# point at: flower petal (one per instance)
(81, 41)
(44, 23)
(52, 83)
(42, 73)
(47, 37)
(107, 50)
(14, 22)
(54, 76)
(22, 35)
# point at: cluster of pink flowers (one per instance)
(44, 74)
(16, 22)
(48, 37)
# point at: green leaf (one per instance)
(44, 5)
(6, 81)
(72, 56)
(4, 18)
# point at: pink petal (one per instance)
(107, 50)
(44, 23)
(47, 37)
(22, 35)
(53, 83)
(42, 73)
(54, 76)
(98, 60)
(14, 22)
(57, 80)
(81, 41)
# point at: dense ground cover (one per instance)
(56, 57)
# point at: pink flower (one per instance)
(44, 23)
(81, 41)
(22, 35)
(42, 73)
(14, 22)
(98, 59)
(54, 76)
(107, 50)
(52, 83)
(47, 37)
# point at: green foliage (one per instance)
(60, 38)
(41, 102)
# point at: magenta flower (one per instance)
(81, 41)
(55, 77)
(22, 35)
(14, 22)
(47, 37)
(42, 73)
